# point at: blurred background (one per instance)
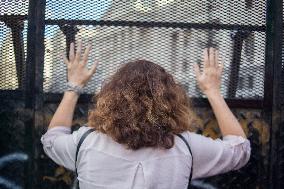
(173, 33)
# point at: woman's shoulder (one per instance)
(189, 135)
(77, 135)
(199, 139)
(196, 139)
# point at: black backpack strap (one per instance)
(189, 149)
(84, 136)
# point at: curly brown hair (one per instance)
(142, 106)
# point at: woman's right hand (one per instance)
(77, 71)
(209, 81)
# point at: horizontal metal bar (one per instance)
(144, 24)
(197, 102)
(13, 17)
(182, 25)
(232, 103)
(12, 94)
(56, 97)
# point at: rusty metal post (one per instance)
(34, 85)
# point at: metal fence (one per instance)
(172, 33)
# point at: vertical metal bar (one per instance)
(18, 43)
(238, 38)
(70, 32)
(211, 33)
(16, 23)
(271, 111)
(34, 84)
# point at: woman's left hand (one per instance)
(77, 71)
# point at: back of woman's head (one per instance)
(142, 106)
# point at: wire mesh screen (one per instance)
(170, 33)
(13, 30)
(246, 12)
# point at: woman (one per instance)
(137, 117)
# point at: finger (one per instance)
(197, 71)
(217, 58)
(211, 56)
(71, 52)
(221, 67)
(78, 51)
(86, 54)
(94, 68)
(65, 60)
(205, 58)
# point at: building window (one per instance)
(249, 4)
(174, 39)
(184, 65)
(245, 82)
(241, 83)
(250, 82)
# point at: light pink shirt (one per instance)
(104, 163)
